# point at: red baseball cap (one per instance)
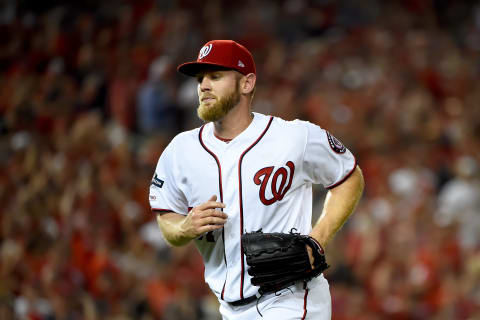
(221, 53)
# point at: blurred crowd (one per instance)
(89, 97)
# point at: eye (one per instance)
(199, 78)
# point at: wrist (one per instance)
(185, 235)
(318, 245)
(320, 240)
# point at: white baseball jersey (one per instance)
(264, 176)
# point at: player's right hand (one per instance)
(204, 218)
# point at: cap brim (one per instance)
(193, 68)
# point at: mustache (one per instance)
(207, 96)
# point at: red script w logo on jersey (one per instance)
(278, 190)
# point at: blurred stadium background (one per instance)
(89, 97)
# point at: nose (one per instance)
(204, 85)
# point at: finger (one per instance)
(217, 213)
(213, 220)
(213, 213)
(203, 206)
(211, 204)
(202, 219)
(310, 256)
(210, 227)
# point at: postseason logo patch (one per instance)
(335, 144)
(157, 182)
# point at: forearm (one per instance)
(340, 203)
(171, 225)
(179, 230)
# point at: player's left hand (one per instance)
(310, 256)
(310, 253)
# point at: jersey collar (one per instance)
(246, 137)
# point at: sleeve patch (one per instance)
(157, 182)
(335, 144)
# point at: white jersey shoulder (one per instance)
(166, 189)
(325, 159)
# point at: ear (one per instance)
(248, 83)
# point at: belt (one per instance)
(243, 302)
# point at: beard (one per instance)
(208, 112)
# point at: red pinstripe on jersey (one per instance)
(220, 190)
(344, 178)
(161, 211)
(305, 304)
(241, 201)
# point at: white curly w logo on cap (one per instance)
(204, 51)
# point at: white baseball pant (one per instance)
(293, 303)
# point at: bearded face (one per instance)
(214, 108)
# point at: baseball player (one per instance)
(242, 172)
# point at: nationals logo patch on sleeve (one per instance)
(335, 144)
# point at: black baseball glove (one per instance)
(278, 260)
